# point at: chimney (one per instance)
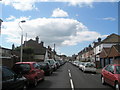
(42, 43)
(13, 46)
(37, 39)
(99, 39)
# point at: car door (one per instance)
(9, 81)
(105, 73)
(38, 70)
(111, 76)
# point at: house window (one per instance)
(99, 48)
(111, 60)
(106, 61)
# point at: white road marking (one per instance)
(69, 70)
(70, 75)
(71, 82)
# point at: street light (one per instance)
(21, 51)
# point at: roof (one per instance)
(25, 62)
(114, 51)
(5, 48)
(113, 38)
(117, 47)
(104, 53)
(106, 50)
(38, 48)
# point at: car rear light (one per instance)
(42, 71)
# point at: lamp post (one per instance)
(0, 25)
(21, 50)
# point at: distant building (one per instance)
(98, 51)
(5, 57)
(38, 48)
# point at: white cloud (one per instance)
(50, 30)
(109, 18)
(59, 13)
(22, 5)
(10, 18)
(25, 5)
(82, 36)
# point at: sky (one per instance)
(69, 24)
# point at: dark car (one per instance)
(52, 63)
(61, 62)
(46, 67)
(12, 81)
(57, 63)
(111, 75)
(30, 70)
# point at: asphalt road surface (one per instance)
(70, 77)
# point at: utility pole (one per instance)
(25, 39)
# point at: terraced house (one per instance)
(98, 52)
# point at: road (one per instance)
(70, 77)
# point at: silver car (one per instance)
(89, 67)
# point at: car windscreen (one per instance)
(90, 65)
(51, 62)
(21, 67)
(42, 64)
(118, 69)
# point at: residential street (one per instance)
(70, 77)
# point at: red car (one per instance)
(30, 70)
(111, 75)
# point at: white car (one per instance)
(81, 64)
(89, 67)
(76, 63)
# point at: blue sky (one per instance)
(71, 27)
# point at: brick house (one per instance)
(104, 57)
(110, 55)
(38, 48)
(108, 42)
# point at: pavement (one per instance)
(98, 70)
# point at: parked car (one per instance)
(89, 67)
(52, 63)
(46, 67)
(81, 64)
(60, 62)
(111, 75)
(57, 63)
(30, 70)
(77, 63)
(11, 80)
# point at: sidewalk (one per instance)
(98, 70)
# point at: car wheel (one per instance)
(49, 73)
(43, 78)
(103, 80)
(117, 86)
(25, 87)
(35, 82)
